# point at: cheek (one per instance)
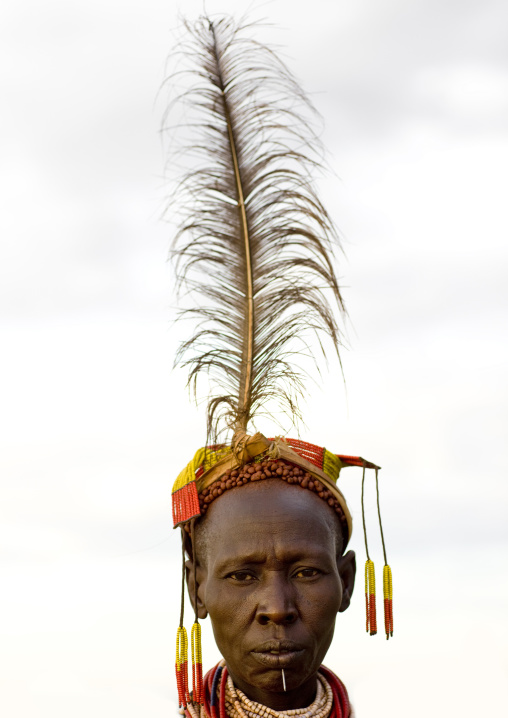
(229, 610)
(320, 607)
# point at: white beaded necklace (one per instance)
(239, 706)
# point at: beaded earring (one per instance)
(197, 660)
(370, 578)
(387, 576)
(182, 647)
(184, 697)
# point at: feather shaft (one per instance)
(244, 402)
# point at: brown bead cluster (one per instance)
(271, 469)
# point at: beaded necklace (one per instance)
(239, 706)
(223, 700)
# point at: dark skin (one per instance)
(271, 574)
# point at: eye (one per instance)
(306, 573)
(241, 576)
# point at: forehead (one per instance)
(260, 515)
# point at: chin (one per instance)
(268, 678)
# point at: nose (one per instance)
(276, 603)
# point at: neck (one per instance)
(274, 695)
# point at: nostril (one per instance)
(264, 619)
(278, 615)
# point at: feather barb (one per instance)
(255, 246)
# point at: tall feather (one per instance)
(255, 245)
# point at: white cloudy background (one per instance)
(414, 96)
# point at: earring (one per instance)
(197, 666)
(181, 666)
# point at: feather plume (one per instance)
(255, 247)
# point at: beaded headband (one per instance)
(200, 482)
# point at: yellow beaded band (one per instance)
(370, 597)
(181, 665)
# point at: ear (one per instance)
(347, 571)
(191, 586)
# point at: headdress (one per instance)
(255, 249)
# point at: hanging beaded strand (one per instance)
(370, 578)
(197, 662)
(182, 647)
(387, 577)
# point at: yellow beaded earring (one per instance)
(197, 660)
(370, 576)
(387, 576)
(182, 647)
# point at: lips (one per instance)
(278, 654)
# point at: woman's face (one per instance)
(273, 579)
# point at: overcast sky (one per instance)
(414, 100)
